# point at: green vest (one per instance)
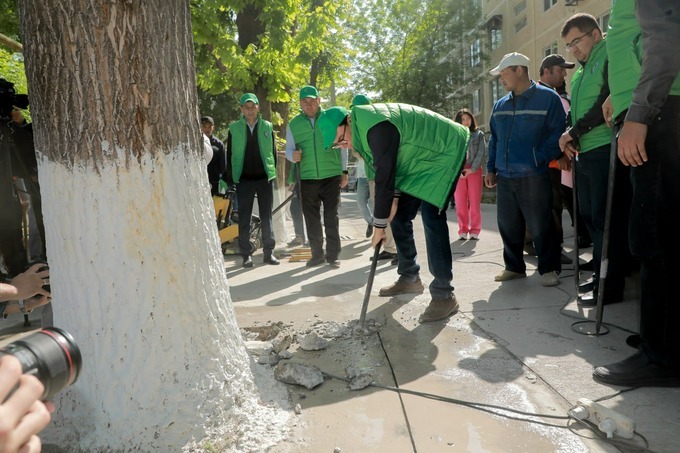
(317, 162)
(585, 88)
(431, 153)
(624, 46)
(265, 140)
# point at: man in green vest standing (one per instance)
(645, 105)
(589, 139)
(251, 155)
(323, 171)
(417, 156)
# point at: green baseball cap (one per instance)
(309, 92)
(328, 123)
(249, 97)
(360, 99)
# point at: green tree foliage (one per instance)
(416, 51)
(11, 63)
(268, 47)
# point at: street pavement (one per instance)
(516, 344)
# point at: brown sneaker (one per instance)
(402, 287)
(439, 309)
(506, 275)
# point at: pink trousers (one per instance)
(468, 198)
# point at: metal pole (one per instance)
(604, 264)
(369, 284)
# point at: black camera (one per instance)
(9, 99)
(51, 355)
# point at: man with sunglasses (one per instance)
(417, 156)
(589, 138)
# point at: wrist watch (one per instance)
(22, 307)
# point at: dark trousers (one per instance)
(556, 184)
(526, 203)
(592, 175)
(245, 193)
(439, 259)
(654, 226)
(326, 192)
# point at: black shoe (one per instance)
(315, 261)
(589, 299)
(385, 256)
(247, 261)
(637, 371)
(584, 243)
(271, 259)
(586, 287)
(634, 341)
(333, 263)
(589, 266)
(369, 230)
(394, 262)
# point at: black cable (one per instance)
(401, 400)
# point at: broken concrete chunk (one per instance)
(281, 342)
(360, 382)
(285, 355)
(313, 342)
(298, 409)
(259, 347)
(297, 373)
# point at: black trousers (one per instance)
(592, 174)
(245, 193)
(315, 193)
(654, 223)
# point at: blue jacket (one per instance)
(525, 131)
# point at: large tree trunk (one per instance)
(137, 274)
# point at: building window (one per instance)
(547, 4)
(551, 49)
(495, 38)
(520, 24)
(497, 90)
(521, 6)
(476, 101)
(603, 21)
(475, 53)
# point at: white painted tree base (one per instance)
(138, 278)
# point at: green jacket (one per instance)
(317, 162)
(585, 89)
(431, 153)
(624, 46)
(265, 139)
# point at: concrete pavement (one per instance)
(513, 345)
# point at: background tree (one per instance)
(417, 52)
(136, 270)
(269, 47)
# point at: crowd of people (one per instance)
(545, 148)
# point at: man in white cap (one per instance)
(526, 125)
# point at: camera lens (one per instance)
(51, 355)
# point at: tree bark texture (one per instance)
(136, 270)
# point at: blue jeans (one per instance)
(439, 259)
(654, 222)
(363, 198)
(245, 193)
(526, 203)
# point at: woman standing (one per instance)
(468, 193)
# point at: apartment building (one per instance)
(531, 27)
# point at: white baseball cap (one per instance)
(511, 59)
